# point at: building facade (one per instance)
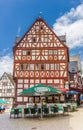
(7, 88)
(75, 72)
(40, 56)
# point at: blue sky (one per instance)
(16, 16)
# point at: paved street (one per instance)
(72, 122)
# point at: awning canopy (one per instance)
(38, 90)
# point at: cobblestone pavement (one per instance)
(74, 121)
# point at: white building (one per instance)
(7, 88)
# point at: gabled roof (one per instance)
(37, 20)
(10, 77)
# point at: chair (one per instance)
(39, 111)
(54, 110)
(20, 111)
(16, 112)
(11, 112)
(69, 107)
(46, 111)
(60, 108)
(33, 111)
(26, 112)
(65, 110)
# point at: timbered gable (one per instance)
(40, 57)
(40, 35)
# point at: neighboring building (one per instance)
(77, 58)
(75, 72)
(7, 88)
(40, 57)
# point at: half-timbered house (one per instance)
(40, 56)
(7, 88)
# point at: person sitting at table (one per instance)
(55, 105)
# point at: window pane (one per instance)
(28, 53)
(19, 98)
(20, 80)
(42, 67)
(51, 66)
(47, 66)
(25, 80)
(23, 52)
(27, 67)
(50, 52)
(25, 85)
(31, 66)
(57, 66)
(20, 85)
(21, 66)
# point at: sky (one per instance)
(65, 17)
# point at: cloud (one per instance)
(6, 64)
(71, 23)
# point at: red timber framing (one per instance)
(39, 57)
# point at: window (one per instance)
(37, 81)
(4, 84)
(9, 90)
(51, 66)
(25, 85)
(21, 66)
(36, 67)
(43, 81)
(45, 39)
(26, 66)
(37, 27)
(42, 67)
(20, 85)
(31, 66)
(25, 80)
(47, 66)
(71, 77)
(19, 99)
(54, 52)
(23, 52)
(41, 27)
(31, 81)
(20, 81)
(57, 66)
(34, 39)
(28, 53)
(50, 52)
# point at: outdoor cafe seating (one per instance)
(47, 110)
(50, 109)
(16, 112)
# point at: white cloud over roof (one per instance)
(71, 23)
(6, 64)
